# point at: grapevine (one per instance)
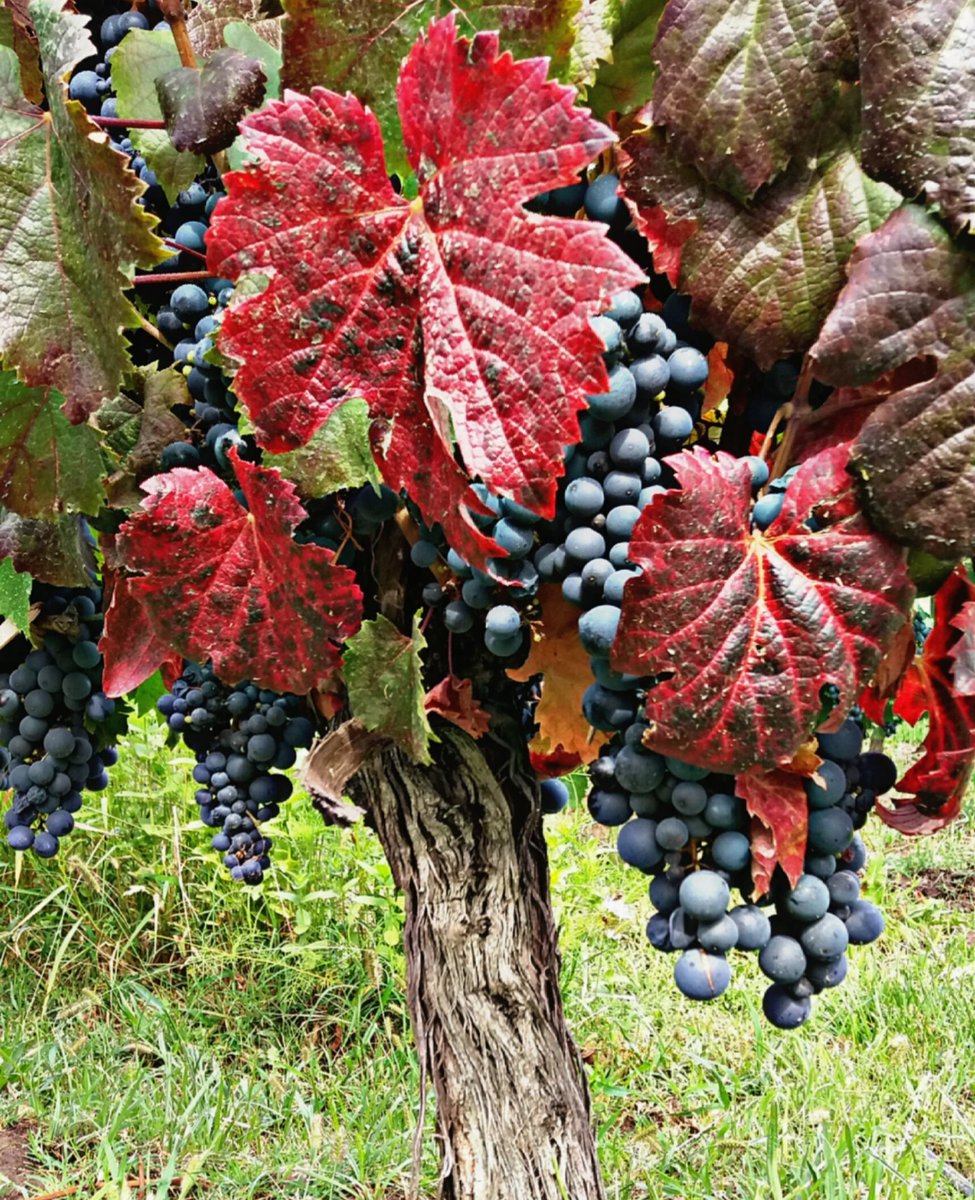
(584, 413)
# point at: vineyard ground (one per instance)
(154, 1017)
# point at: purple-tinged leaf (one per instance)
(201, 108)
(762, 278)
(54, 551)
(742, 82)
(911, 297)
(918, 82)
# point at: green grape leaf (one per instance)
(765, 277)
(141, 58)
(918, 83)
(596, 25)
(242, 37)
(71, 232)
(624, 80)
(742, 82)
(384, 676)
(201, 107)
(351, 46)
(54, 551)
(14, 595)
(143, 698)
(337, 456)
(47, 465)
(209, 21)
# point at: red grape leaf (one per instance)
(228, 583)
(453, 699)
(557, 655)
(764, 277)
(936, 784)
(145, 650)
(889, 674)
(458, 319)
(963, 653)
(358, 47)
(16, 31)
(741, 85)
(918, 85)
(910, 297)
(777, 801)
(749, 626)
(70, 229)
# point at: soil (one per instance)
(956, 888)
(14, 1160)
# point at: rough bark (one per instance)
(464, 841)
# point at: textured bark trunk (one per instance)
(465, 844)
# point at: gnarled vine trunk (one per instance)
(465, 844)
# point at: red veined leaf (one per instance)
(453, 699)
(145, 651)
(936, 784)
(747, 626)
(555, 763)
(963, 652)
(889, 674)
(777, 803)
(217, 580)
(459, 317)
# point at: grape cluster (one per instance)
(53, 716)
(239, 736)
(687, 829)
(189, 314)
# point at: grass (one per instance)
(153, 1015)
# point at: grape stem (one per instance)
(799, 414)
(411, 531)
(128, 123)
(185, 249)
(170, 277)
(154, 332)
(173, 11)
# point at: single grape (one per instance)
(637, 844)
(609, 808)
(754, 929)
(825, 938)
(704, 895)
(688, 368)
(808, 900)
(830, 831)
(718, 936)
(554, 796)
(865, 923)
(731, 851)
(784, 1010)
(782, 959)
(702, 976)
